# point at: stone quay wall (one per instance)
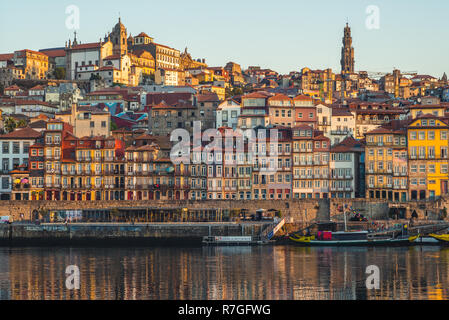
(295, 211)
(125, 234)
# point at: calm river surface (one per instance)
(243, 273)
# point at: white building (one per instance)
(85, 55)
(228, 113)
(324, 117)
(14, 151)
(166, 77)
(342, 125)
(345, 180)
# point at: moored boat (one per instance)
(359, 238)
(442, 238)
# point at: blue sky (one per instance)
(284, 35)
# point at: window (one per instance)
(5, 147)
(431, 135)
(92, 124)
(15, 147)
(422, 135)
(103, 124)
(5, 183)
(26, 147)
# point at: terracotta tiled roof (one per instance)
(302, 98)
(342, 112)
(380, 130)
(256, 95)
(168, 98)
(6, 56)
(84, 46)
(279, 97)
(143, 34)
(38, 87)
(31, 51)
(53, 53)
(12, 88)
(25, 133)
(113, 57)
(207, 97)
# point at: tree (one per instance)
(60, 73)
(95, 77)
(21, 123)
(10, 124)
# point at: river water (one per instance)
(242, 273)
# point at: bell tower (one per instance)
(119, 39)
(347, 52)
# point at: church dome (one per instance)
(119, 26)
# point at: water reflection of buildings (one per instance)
(4, 277)
(242, 273)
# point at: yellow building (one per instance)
(205, 76)
(143, 62)
(34, 64)
(386, 164)
(435, 110)
(428, 157)
(87, 121)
